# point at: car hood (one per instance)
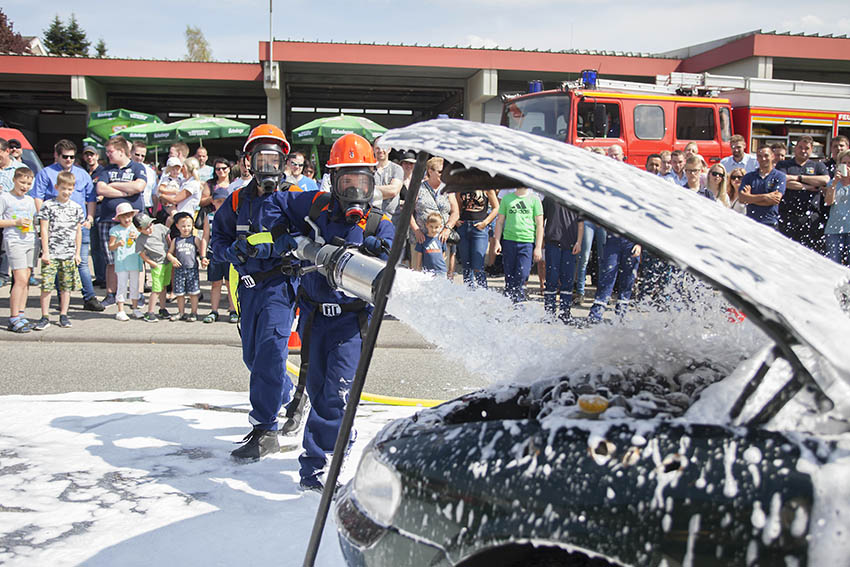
(792, 293)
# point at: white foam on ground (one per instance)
(147, 477)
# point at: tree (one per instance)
(100, 49)
(54, 37)
(61, 39)
(197, 47)
(11, 41)
(78, 43)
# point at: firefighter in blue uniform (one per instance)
(266, 290)
(331, 323)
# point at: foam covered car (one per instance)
(679, 436)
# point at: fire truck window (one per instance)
(695, 123)
(649, 122)
(725, 125)
(540, 115)
(587, 127)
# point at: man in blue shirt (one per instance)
(123, 181)
(295, 172)
(44, 189)
(762, 189)
(800, 217)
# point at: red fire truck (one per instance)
(682, 108)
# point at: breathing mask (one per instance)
(267, 167)
(353, 188)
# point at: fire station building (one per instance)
(791, 84)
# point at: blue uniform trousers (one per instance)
(618, 264)
(267, 311)
(335, 344)
(516, 259)
(560, 274)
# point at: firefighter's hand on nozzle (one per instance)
(261, 251)
(375, 246)
(284, 244)
(236, 253)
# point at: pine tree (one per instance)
(100, 49)
(54, 37)
(78, 43)
(197, 47)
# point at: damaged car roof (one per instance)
(793, 293)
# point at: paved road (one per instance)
(101, 354)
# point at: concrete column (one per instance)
(752, 67)
(481, 87)
(89, 92)
(275, 98)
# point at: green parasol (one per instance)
(195, 129)
(328, 130)
(106, 123)
(200, 128)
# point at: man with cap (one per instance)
(266, 292)
(16, 151)
(93, 168)
(44, 189)
(331, 323)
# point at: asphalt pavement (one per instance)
(99, 353)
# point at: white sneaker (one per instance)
(137, 313)
(122, 316)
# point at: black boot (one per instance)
(257, 444)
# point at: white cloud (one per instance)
(485, 42)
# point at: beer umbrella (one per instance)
(195, 129)
(328, 130)
(104, 124)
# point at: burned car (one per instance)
(658, 449)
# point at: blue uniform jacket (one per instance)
(228, 225)
(292, 208)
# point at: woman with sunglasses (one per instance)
(718, 184)
(734, 187)
(220, 178)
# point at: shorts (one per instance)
(160, 277)
(185, 281)
(218, 271)
(20, 255)
(103, 228)
(62, 274)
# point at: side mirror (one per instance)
(600, 121)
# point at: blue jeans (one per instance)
(516, 257)
(618, 264)
(470, 253)
(591, 232)
(560, 274)
(85, 272)
(838, 248)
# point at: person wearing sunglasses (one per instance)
(718, 184)
(44, 188)
(734, 188)
(693, 171)
(295, 172)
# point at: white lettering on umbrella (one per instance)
(199, 132)
(235, 130)
(340, 131)
(138, 116)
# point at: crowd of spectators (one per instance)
(128, 211)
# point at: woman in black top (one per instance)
(477, 210)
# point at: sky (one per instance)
(234, 28)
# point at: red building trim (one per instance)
(67, 66)
(769, 45)
(464, 58)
